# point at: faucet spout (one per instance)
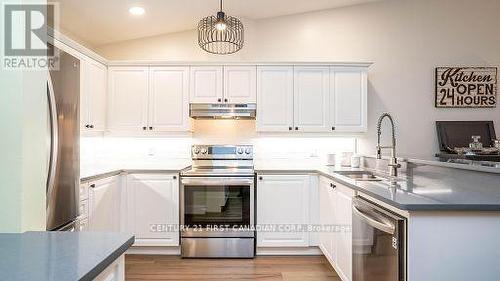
(393, 163)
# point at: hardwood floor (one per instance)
(303, 268)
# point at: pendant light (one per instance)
(220, 34)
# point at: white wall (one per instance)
(405, 39)
(23, 158)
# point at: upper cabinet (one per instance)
(348, 98)
(217, 84)
(239, 84)
(128, 98)
(274, 98)
(169, 98)
(93, 85)
(312, 99)
(148, 99)
(206, 84)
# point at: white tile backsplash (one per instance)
(125, 150)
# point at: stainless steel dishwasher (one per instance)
(378, 243)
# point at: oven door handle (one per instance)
(216, 181)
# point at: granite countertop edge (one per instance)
(99, 268)
(115, 172)
(333, 176)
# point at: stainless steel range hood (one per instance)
(222, 111)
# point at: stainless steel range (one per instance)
(218, 203)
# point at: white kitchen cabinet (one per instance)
(206, 84)
(128, 98)
(93, 89)
(153, 208)
(240, 84)
(343, 239)
(348, 99)
(327, 218)
(283, 201)
(274, 98)
(114, 272)
(169, 99)
(311, 99)
(104, 205)
(335, 210)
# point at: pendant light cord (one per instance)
(221, 5)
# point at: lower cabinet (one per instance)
(335, 212)
(153, 209)
(114, 272)
(104, 205)
(283, 203)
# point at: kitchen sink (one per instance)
(361, 176)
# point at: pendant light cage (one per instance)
(220, 41)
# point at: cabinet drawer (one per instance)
(84, 208)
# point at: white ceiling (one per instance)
(99, 22)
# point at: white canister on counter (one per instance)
(346, 159)
(355, 161)
(331, 159)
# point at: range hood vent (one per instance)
(222, 111)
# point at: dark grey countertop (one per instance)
(425, 188)
(59, 256)
(431, 186)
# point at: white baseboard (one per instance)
(295, 251)
(154, 250)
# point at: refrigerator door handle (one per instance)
(386, 227)
(54, 140)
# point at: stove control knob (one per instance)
(248, 150)
(240, 150)
(204, 151)
(196, 150)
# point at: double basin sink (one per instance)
(366, 176)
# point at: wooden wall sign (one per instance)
(466, 87)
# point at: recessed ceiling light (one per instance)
(137, 11)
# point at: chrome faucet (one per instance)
(393, 162)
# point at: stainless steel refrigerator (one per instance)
(63, 179)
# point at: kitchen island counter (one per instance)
(59, 255)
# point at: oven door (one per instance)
(217, 206)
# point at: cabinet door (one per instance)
(343, 218)
(153, 207)
(326, 218)
(97, 85)
(348, 99)
(274, 98)
(104, 205)
(128, 98)
(311, 99)
(169, 98)
(84, 95)
(240, 84)
(206, 84)
(283, 201)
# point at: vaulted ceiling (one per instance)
(99, 22)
